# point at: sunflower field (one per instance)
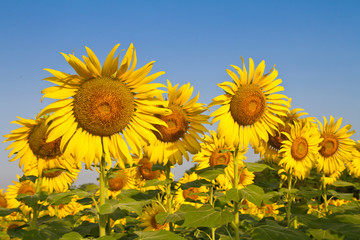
(116, 120)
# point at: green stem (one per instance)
(168, 193)
(236, 204)
(212, 202)
(33, 224)
(103, 193)
(289, 201)
(324, 195)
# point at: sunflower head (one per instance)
(251, 107)
(148, 218)
(3, 201)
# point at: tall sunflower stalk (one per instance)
(235, 185)
(103, 196)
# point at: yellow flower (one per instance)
(269, 151)
(353, 166)
(145, 173)
(148, 220)
(330, 179)
(251, 105)
(192, 195)
(13, 191)
(214, 151)
(102, 110)
(226, 181)
(336, 147)
(3, 201)
(121, 180)
(31, 145)
(300, 151)
(63, 210)
(184, 124)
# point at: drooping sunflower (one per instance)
(31, 145)
(214, 151)
(103, 109)
(193, 195)
(226, 181)
(120, 180)
(184, 124)
(330, 179)
(300, 151)
(251, 105)
(353, 165)
(148, 220)
(269, 151)
(336, 147)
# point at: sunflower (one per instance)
(63, 210)
(183, 126)
(300, 151)
(31, 145)
(13, 191)
(269, 151)
(120, 180)
(336, 147)
(148, 220)
(330, 179)
(144, 171)
(353, 166)
(251, 105)
(226, 181)
(195, 196)
(103, 109)
(214, 151)
(3, 201)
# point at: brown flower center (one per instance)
(117, 183)
(3, 201)
(299, 148)
(39, 146)
(146, 170)
(189, 193)
(52, 174)
(13, 226)
(248, 105)
(329, 145)
(177, 125)
(26, 189)
(276, 140)
(218, 158)
(155, 225)
(103, 106)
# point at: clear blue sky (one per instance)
(314, 44)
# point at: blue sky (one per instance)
(314, 44)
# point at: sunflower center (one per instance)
(177, 125)
(52, 174)
(103, 106)
(117, 183)
(146, 170)
(276, 140)
(3, 202)
(189, 193)
(329, 145)
(13, 226)
(248, 105)
(39, 146)
(155, 225)
(218, 158)
(26, 189)
(299, 149)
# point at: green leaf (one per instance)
(138, 195)
(156, 182)
(320, 234)
(106, 208)
(206, 216)
(107, 238)
(164, 217)
(29, 200)
(60, 198)
(340, 183)
(275, 232)
(91, 187)
(195, 184)
(31, 178)
(158, 167)
(345, 196)
(7, 211)
(211, 173)
(156, 235)
(257, 167)
(72, 236)
(252, 193)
